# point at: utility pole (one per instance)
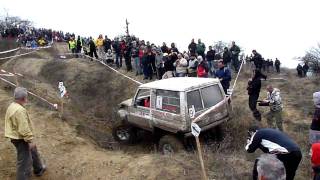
(127, 28)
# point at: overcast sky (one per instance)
(275, 28)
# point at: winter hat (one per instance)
(315, 158)
(316, 99)
(200, 59)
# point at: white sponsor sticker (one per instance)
(192, 111)
(195, 129)
(159, 102)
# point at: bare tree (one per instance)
(312, 57)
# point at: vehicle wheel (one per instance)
(169, 144)
(124, 133)
(218, 132)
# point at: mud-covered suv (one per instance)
(167, 107)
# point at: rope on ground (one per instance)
(11, 50)
(23, 54)
(101, 62)
(33, 94)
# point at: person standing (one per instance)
(93, 49)
(18, 128)
(192, 48)
(305, 69)
(210, 59)
(273, 141)
(254, 87)
(106, 44)
(164, 48)
(202, 70)
(72, 45)
(235, 51)
(226, 56)
(127, 57)
(274, 116)
(79, 45)
(201, 48)
(192, 67)
(99, 44)
(277, 64)
(224, 75)
(181, 65)
(257, 60)
(168, 65)
(117, 50)
(147, 64)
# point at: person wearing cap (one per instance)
(224, 75)
(314, 132)
(19, 129)
(272, 141)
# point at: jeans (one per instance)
(137, 65)
(118, 60)
(26, 157)
(211, 67)
(180, 74)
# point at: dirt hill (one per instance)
(81, 147)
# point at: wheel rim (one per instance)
(167, 149)
(123, 134)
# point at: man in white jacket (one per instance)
(274, 117)
(181, 65)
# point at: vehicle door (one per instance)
(167, 111)
(140, 112)
(211, 95)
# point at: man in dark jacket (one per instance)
(254, 87)
(224, 75)
(277, 64)
(164, 48)
(192, 48)
(106, 44)
(273, 141)
(210, 59)
(235, 51)
(257, 59)
(147, 60)
(305, 69)
(117, 49)
(300, 70)
(127, 57)
(93, 49)
(226, 57)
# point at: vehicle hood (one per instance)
(127, 102)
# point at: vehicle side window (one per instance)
(211, 95)
(194, 98)
(143, 98)
(168, 101)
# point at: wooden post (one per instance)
(61, 113)
(204, 175)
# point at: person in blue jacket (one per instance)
(224, 75)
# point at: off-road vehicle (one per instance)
(167, 107)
